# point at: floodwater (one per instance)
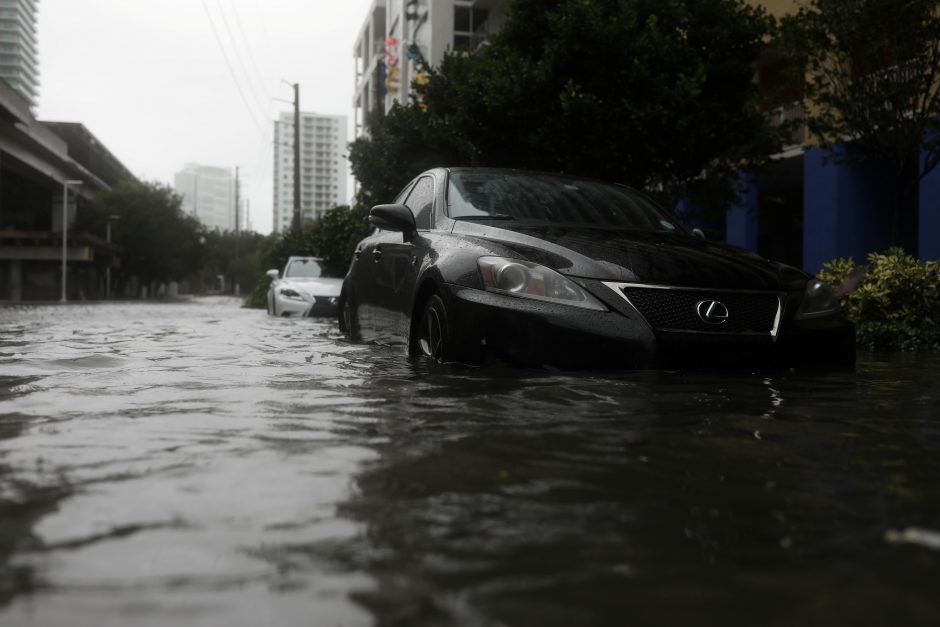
(202, 464)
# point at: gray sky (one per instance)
(148, 78)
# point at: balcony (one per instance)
(792, 116)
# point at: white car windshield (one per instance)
(304, 269)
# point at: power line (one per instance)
(252, 80)
(238, 57)
(248, 51)
(231, 70)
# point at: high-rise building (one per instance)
(208, 194)
(399, 36)
(19, 58)
(323, 166)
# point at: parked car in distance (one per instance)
(307, 288)
(469, 263)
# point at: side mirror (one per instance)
(699, 233)
(393, 218)
(274, 274)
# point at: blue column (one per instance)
(847, 210)
(741, 223)
(928, 245)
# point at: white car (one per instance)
(304, 289)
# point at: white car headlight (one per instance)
(819, 300)
(289, 292)
(530, 280)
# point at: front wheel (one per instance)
(348, 322)
(434, 339)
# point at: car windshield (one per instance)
(549, 199)
(304, 269)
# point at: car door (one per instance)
(367, 284)
(361, 281)
(400, 260)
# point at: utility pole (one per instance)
(235, 269)
(296, 156)
(65, 232)
(236, 212)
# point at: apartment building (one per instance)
(323, 166)
(208, 195)
(399, 36)
(805, 208)
(19, 57)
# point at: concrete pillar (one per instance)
(742, 220)
(847, 210)
(928, 228)
(16, 280)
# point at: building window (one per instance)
(469, 27)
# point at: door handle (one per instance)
(376, 254)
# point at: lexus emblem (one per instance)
(712, 312)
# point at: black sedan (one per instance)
(468, 264)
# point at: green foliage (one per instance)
(335, 235)
(655, 93)
(230, 255)
(401, 145)
(258, 297)
(159, 241)
(897, 305)
(869, 69)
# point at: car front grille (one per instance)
(677, 309)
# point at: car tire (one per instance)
(270, 306)
(433, 333)
(348, 322)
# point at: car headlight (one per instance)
(530, 280)
(287, 292)
(819, 300)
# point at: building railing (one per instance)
(793, 116)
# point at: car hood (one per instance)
(644, 257)
(314, 287)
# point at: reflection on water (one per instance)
(200, 464)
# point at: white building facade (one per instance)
(209, 195)
(323, 166)
(399, 36)
(19, 57)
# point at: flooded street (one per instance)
(202, 464)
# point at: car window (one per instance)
(304, 269)
(420, 201)
(549, 199)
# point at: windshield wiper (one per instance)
(488, 216)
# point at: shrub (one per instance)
(258, 298)
(897, 305)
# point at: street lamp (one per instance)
(107, 271)
(65, 229)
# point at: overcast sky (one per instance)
(148, 78)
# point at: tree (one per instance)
(219, 258)
(159, 241)
(659, 94)
(400, 146)
(870, 73)
(335, 235)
